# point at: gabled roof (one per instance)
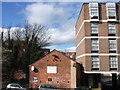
(50, 53)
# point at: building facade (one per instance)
(53, 69)
(71, 55)
(98, 41)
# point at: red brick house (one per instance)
(54, 69)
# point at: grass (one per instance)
(97, 89)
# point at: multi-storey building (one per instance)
(98, 42)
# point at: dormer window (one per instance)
(111, 10)
(94, 13)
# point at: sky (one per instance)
(59, 17)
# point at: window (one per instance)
(49, 79)
(93, 10)
(35, 79)
(112, 45)
(95, 62)
(112, 29)
(94, 44)
(94, 28)
(113, 62)
(51, 69)
(111, 10)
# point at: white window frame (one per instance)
(108, 8)
(93, 27)
(51, 69)
(95, 62)
(93, 8)
(112, 27)
(113, 62)
(93, 45)
(110, 45)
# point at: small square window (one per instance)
(51, 69)
(49, 79)
(35, 79)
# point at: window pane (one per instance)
(94, 44)
(113, 62)
(95, 62)
(93, 9)
(94, 28)
(94, 12)
(112, 44)
(112, 28)
(110, 5)
(93, 5)
(111, 10)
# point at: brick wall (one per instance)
(60, 79)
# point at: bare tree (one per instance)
(23, 45)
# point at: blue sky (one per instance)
(12, 13)
(58, 17)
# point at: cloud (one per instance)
(63, 35)
(46, 14)
(70, 49)
(60, 17)
(12, 32)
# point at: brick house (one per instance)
(54, 69)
